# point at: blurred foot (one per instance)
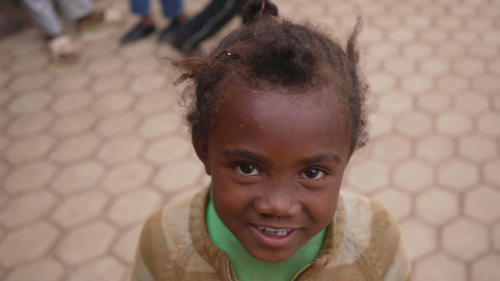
(165, 33)
(64, 49)
(91, 21)
(139, 31)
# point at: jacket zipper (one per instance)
(229, 276)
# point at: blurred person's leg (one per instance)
(44, 16)
(61, 47)
(173, 10)
(145, 26)
(218, 12)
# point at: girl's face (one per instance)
(276, 163)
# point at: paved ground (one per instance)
(87, 151)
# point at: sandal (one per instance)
(65, 50)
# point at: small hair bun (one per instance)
(256, 9)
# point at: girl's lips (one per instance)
(273, 241)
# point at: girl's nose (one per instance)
(276, 202)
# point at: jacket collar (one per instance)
(221, 261)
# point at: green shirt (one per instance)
(246, 267)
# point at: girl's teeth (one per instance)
(274, 231)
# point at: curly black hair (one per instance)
(268, 51)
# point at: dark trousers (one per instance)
(206, 23)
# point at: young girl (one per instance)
(276, 115)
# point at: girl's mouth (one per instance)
(274, 231)
(273, 237)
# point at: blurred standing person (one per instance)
(62, 47)
(209, 21)
(172, 9)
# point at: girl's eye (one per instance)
(247, 169)
(313, 174)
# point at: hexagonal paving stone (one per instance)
(26, 244)
(486, 83)
(382, 51)
(416, 84)
(109, 83)
(117, 124)
(28, 149)
(75, 148)
(417, 50)
(457, 174)
(80, 208)
(127, 176)
(368, 176)
(77, 177)
(39, 174)
(46, 269)
(112, 103)
(486, 268)
(465, 240)
(453, 123)
(381, 82)
(496, 236)
(394, 103)
(477, 148)
(483, 204)
(120, 149)
(491, 173)
(27, 208)
(29, 63)
(391, 148)
(450, 50)
(434, 66)
(419, 239)
(29, 124)
(30, 81)
(468, 66)
(168, 149)
(143, 65)
(437, 206)
(29, 103)
(159, 125)
(380, 124)
(489, 124)
(86, 242)
(434, 148)
(105, 66)
(134, 206)
(105, 269)
(127, 243)
(70, 103)
(451, 84)
(183, 174)
(434, 103)
(399, 204)
(413, 124)
(155, 103)
(147, 82)
(399, 66)
(440, 267)
(413, 175)
(70, 83)
(73, 123)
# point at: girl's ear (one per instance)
(201, 148)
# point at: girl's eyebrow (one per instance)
(243, 153)
(329, 157)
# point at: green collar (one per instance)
(246, 267)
